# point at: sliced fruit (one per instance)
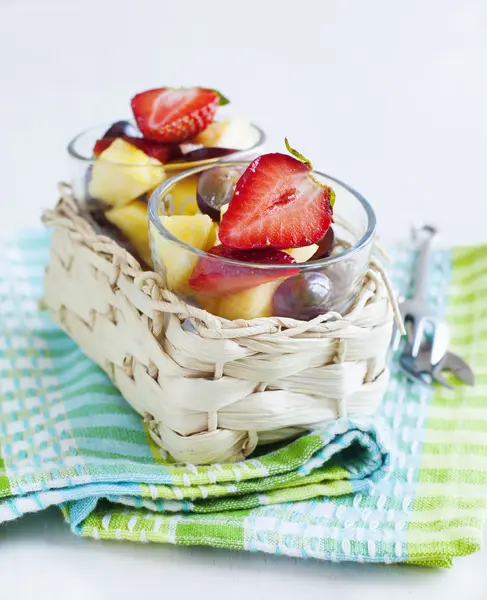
(161, 152)
(197, 154)
(278, 204)
(131, 220)
(223, 210)
(304, 296)
(234, 133)
(249, 304)
(217, 277)
(174, 114)
(198, 231)
(122, 129)
(123, 173)
(325, 246)
(215, 189)
(301, 255)
(209, 303)
(102, 144)
(183, 196)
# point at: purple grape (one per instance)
(325, 246)
(206, 153)
(303, 296)
(122, 128)
(215, 188)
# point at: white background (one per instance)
(388, 95)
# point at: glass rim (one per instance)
(164, 187)
(74, 153)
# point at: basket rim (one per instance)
(66, 215)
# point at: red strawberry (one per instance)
(162, 152)
(174, 115)
(217, 277)
(277, 204)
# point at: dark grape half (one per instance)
(215, 189)
(304, 296)
(206, 154)
(122, 128)
(325, 246)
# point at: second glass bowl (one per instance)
(133, 175)
(112, 193)
(245, 290)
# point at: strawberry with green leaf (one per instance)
(277, 204)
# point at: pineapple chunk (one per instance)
(122, 173)
(236, 133)
(197, 231)
(249, 304)
(184, 196)
(209, 303)
(303, 254)
(132, 221)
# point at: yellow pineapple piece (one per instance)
(213, 239)
(211, 135)
(132, 221)
(183, 195)
(303, 254)
(122, 173)
(209, 303)
(236, 133)
(197, 231)
(249, 304)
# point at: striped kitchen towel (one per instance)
(67, 438)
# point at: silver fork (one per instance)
(418, 314)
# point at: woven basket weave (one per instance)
(210, 389)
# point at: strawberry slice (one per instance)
(162, 152)
(278, 204)
(174, 115)
(217, 277)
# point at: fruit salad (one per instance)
(115, 168)
(261, 240)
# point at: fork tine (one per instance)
(418, 334)
(439, 341)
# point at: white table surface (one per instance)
(389, 96)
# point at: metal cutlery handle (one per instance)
(424, 236)
(439, 344)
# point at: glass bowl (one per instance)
(244, 290)
(119, 182)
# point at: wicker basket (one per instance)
(211, 390)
